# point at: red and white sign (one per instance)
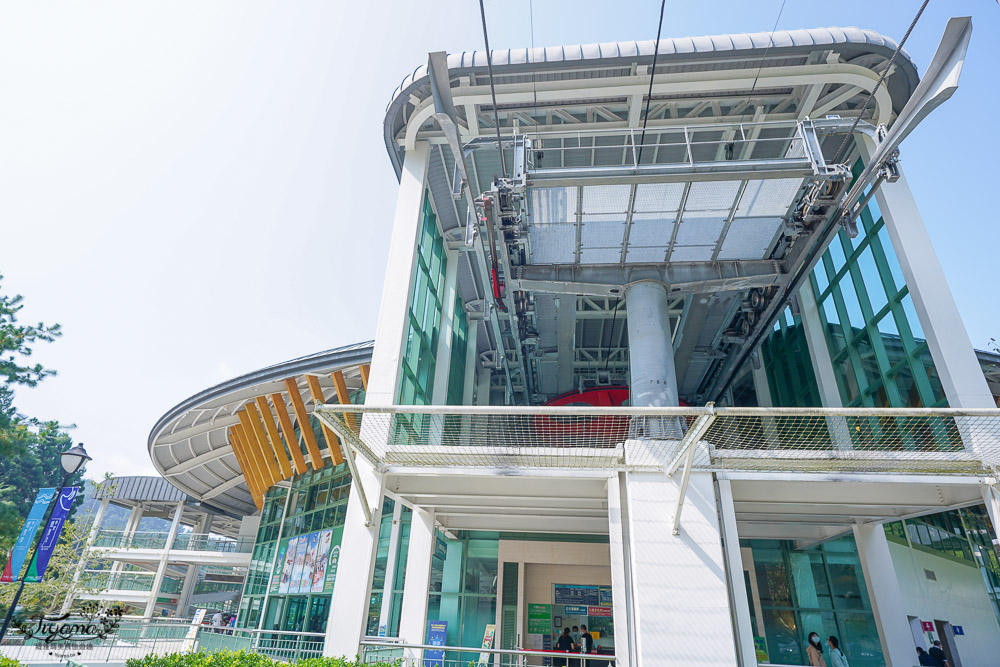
(599, 611)
(927, 626)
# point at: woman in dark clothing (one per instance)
(565, 644)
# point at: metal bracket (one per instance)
(689, 445)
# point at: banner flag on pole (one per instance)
(28, 531)
(36, 569)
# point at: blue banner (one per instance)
(437, 635)
(20, 551)
(64, 503)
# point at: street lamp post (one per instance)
(72, 460)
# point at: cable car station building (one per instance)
(675, 363)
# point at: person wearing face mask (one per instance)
(837, 657)
(815, 651)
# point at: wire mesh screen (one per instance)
(940, 441)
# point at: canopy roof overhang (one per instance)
(190, 444)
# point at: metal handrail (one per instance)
(383, 644)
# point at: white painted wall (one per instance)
(958, 596)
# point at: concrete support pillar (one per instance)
(390, 571)
(745, 650)
(954, 357)
(164, 557)
(885, 596)
(621, 580)
(352, 588)
(651, 353)
(682, 613)
(393, 320)
(413, 620)
(95, 528)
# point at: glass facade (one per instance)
(463, 585)
(962, 535)
(793, 592)
(876, 342)
(789, 369)
(424, 313)
(318, 502)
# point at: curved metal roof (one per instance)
(189, 444)
(851, 42)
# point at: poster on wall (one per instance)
(760, 648)
(437, 635)
(279, 566)
(301, 544)
(484, 658)
(320, 562)
(289, 565)
(305, 576)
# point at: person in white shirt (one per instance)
(837, 657)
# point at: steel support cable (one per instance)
(760, 65)
(652, 73)
(792, 284)
(881, 78)
(493, 90)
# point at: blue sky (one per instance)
(198, 190)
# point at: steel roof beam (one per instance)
(682, 277)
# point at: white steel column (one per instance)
(681, 600)
(760, 384)
(884, 594)
(620, 565)
(745, 650)
(393, 319)
(352, 588)
(991, 496)
(413, 620)
(651, 352)
(954, 358)
(390, 570)
(819, 351)
(471, 363)
(161, 568)
(94, 529)
(819, 355)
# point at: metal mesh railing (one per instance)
(781, 439)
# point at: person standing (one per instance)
(936, 652)
(586, 640)
(815, 651)
(837, 657)
(925, 659)
(564, 644)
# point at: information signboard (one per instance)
(540, 619)
(437, 635)
(578, 595)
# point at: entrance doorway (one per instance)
(549, 586)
